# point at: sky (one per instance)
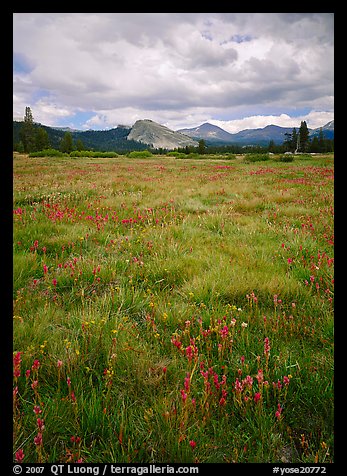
(235, 70)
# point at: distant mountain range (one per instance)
(146, 133)
(262, 136)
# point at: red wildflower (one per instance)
(19, 456)
(279, 411)
(192, 444)
(257, 397)
(41, 424)
(267, 346)
(36, 365)
(38, 439)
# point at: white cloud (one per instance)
(314, 119)
(172, 67)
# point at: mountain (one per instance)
(327, 129)
(208, 131)
(146, 133)
(261, 136)
(158, 136)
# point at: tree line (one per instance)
(34, 138)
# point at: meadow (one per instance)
(173, 310)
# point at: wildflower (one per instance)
(260, 376)
(187, 382)
(37, 410)
(40, 424)
(279, 411)
(191, 351)
(164, 370)
(183, 395)
(244, 325)
(45, 269)
(75, 439)
(59, 363)
(238, 386)
(16, 372)
(192, 444)
(38, 439)
(248, 381)
(17, 359)
(257, 397)
(224, 332)
(215, 381)
(16, 364)
(54, 282)
(68, 381)
(20, 456)
(222, 402)
(286, 380)
(36, 365)
(266, 346)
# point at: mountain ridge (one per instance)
(261, 135)
(147, 133)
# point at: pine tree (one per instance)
(321, 141)
(202, 146)
(79, 145)
(27, 132)
(304, 137)
(66, 143)
(41, 139)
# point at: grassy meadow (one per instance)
(173, 310)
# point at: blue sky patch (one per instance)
(21, 64)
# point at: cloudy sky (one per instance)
(235, 70)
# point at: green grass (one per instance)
(155, 283)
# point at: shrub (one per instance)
(286, 158)
(230, 157)
(139, 153)
(256, 157)
(47, 153)
(93, 154)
